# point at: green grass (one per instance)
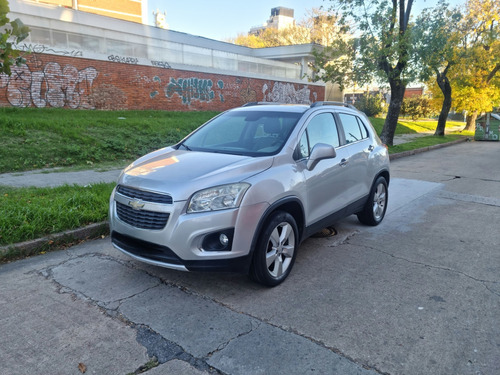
(30, 213)
(412, 127)
(32, 138)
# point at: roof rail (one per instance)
(249, 104)
(317, 104)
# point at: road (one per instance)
(419, 294)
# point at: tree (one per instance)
(437, 38)
(319, 27)
(383, 50)
(476, 85)
(14, 30)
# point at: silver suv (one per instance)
(242, 191)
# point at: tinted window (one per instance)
(322, 129)
(352, 128)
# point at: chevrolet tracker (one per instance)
(242, 191)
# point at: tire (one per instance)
(276, 250)
(374, 211)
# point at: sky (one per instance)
(224, 19)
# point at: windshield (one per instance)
(248, 133)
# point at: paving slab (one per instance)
(47, 331)
(270, 350)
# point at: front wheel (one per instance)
(275, 253)
(374, 210)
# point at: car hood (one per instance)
(181, 173)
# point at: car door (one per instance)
(359, 145)
(325, 184)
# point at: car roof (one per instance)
(274, 107)
(295, 108)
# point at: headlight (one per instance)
(218, 198)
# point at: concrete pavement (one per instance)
(419, 294)
(53, 177)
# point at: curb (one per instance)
(429, 148)
(68, 238)
(55, 241)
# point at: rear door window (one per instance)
(354, 129)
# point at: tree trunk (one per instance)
(391, 121)
(471, 122)
(444, 84)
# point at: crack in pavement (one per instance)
(146, 336)
(255, 323)
(442, 268)
(165, 350)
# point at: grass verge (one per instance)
(34, 138)
(30, 213)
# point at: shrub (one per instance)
(417, 107)
(371, 105)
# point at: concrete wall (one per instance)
(71, 82)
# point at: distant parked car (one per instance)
(242, 191)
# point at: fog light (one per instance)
(218, 241)
(224, 240)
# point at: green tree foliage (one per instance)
(417, 107)
(383, 50)
(10, 33)
(436, 41)
(371, 105)
(476, 84)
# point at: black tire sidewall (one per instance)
(366, 216)
(258, 269)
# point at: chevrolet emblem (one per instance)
(136, 205)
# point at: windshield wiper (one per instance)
(185, 147)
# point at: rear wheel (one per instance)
(374, 211)
(276, 250)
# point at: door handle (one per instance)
(343, 162)
(371, 148)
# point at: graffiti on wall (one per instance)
(287, 93)
(190, 89)
(194, 89)
(161, 64)
(203, 90)
(124, 59)
(40, 48)
(50, 85)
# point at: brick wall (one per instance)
(70, 82)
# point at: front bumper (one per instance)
(162, 256)
(180, 243)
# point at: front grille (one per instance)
(140, 218)
(145, 196)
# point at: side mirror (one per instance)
(319, 152)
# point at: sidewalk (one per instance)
(53, 177)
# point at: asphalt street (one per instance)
(419, 294)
